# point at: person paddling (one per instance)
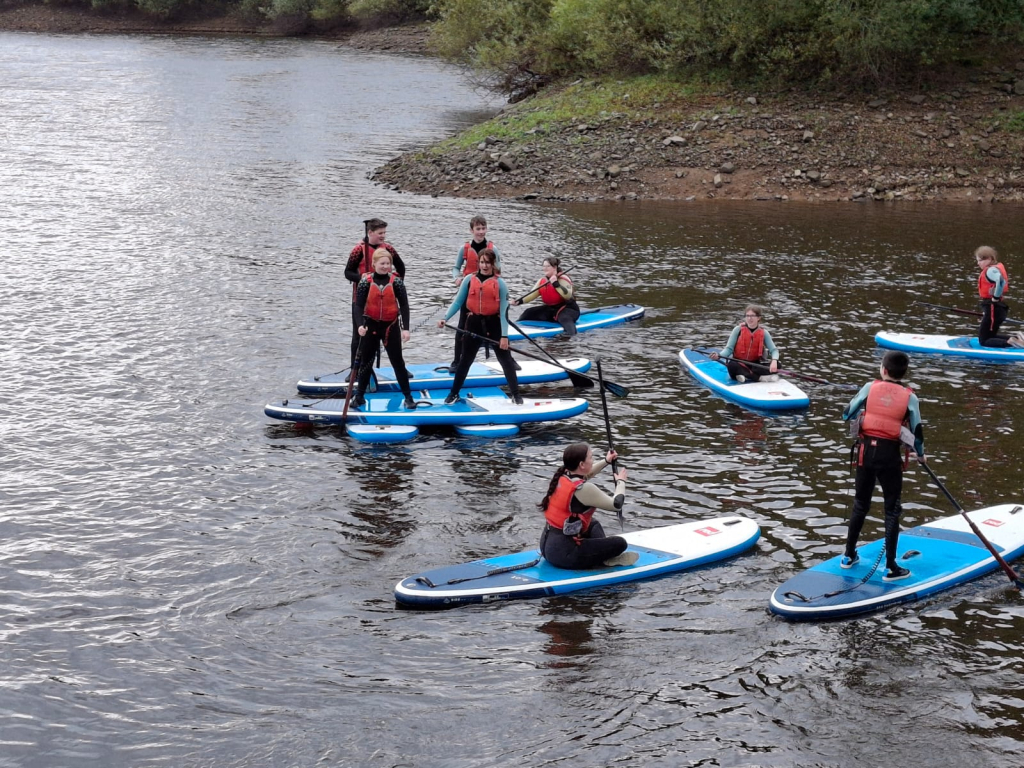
(383, 307)
(360, 261)
(466, 264)
(886, 416)
(750, 342)
(572, 538)
(555, 290)
(485, 296)
(992, 286)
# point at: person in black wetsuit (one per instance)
(360, 262)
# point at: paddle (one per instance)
(1010, 573)
(494, 572)
(616, 389)
(577, 379)
(541, 285)
(780, 371)
(972, 312)
(352, 377)
(608, 434)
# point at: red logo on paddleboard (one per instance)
(993, 523)
(709, 531)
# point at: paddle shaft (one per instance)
(972, 312)
(578, 380)
(767, 369)
(547, 281)
(1010, 573)
(608, 434)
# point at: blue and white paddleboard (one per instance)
(781, 395)
(486, 405)
(589, 321)
(526, 574)
(486, 373)
(958, 346)
(939, 555)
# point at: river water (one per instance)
(184, 582)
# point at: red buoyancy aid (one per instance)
(559, 508)
(985, 286)
(749, 344)
(550, 295)
(381, 302)
(885, 410)
(470, 258)
(484, 296)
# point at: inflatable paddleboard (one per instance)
(781, 395)
(589, 321)
(380, 433)
(486, 373)
(486, 405)
(527, 574)
(958, 346)
(939, 555)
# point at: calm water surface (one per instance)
(186, 583)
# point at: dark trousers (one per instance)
(390, 335)
(879, 461)
(488, 326)
(592, 550)
(992, 316)
(751, 372)
(565, 315)
(460, 337)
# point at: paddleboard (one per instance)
(958, 346)
(486, 373)
(781, 395)
(487, 430)
(381, 433)
(526, 574)
(940, 555)
(589, 321)
(481, 405)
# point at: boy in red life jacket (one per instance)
(360, 261)
(383, 307)
(466, 263)
(883, 411)
(572, 538)
(750, 342)
(992, 286)
(555, 290)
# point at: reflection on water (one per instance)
(184, 582)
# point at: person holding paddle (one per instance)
(383, 307)
(360, 262)
(465, 265)
(992, 285)
(750, 342)
(886, 417)
(485, 297)
(556, 292)
(572, 538)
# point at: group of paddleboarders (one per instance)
(380, 308)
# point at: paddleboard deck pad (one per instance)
(589, 321)
(486, 405)
(486, 373)
(939, 555)
(781, 395)
(527, 575)
(957, 346)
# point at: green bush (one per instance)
(376, 13)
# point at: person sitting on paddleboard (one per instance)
(556, 292)
(749, 342)
(572, 538)
(485, 296)
(383, 307)
(465, 265)
(886, 417)
(992, 286)
(360, 261)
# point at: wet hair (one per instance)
(986, 252)
(381, 253)
(757, 310)
(896, 364)
(572, 456)
(477, 220)
(372, 225)
(554, 261)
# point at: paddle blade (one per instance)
(580, 381)
(616, 389)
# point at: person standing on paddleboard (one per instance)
(555, 290)
(750, 342)
(572, 538)
(887, 421)
(485, 296)
(992, 286)
(360, 261)
(383, 307)
(465, 265)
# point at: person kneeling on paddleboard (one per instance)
(992, 286)
(383, 305)
(886, 420)
(555, 290)
(572, 538)
(750, 342)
